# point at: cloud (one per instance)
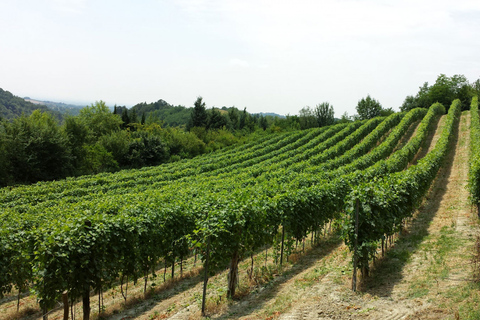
(239, 63)
(72, 6)
(467, 16)
(280, 24)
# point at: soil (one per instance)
(397, 288)
(409, 289)
(421, 276)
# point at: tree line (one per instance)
(444, 90)
(12, 106)
(37, 147)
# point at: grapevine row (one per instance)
(78, 246)
(386, 201)
(160, 180)
(474, 170)
(83, 185)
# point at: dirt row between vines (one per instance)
(421, 277)
(326, 265)
(425, 275)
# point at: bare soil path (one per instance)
(422, 276)
(426, 274)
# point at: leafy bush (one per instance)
(474, 173)
(386, 200)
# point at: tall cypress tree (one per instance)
(125, 118)
(199, 114)
(133, 116)
(243, 119)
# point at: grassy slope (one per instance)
(426, 274)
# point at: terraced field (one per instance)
(279, 223)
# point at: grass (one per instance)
(432, 252)
(282, 303)
(434, 258)
(312, 277)
(438, 252)
(418, 289)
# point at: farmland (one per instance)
(296, 210)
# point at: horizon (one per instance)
(80, 105)
(275, 57)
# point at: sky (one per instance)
(268, 56)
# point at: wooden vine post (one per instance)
(45, 313)
(355, 257)
(281, 250)
(266, 256)
(86, 304)
(18, 299)
(383, 246)
(173, 260)
(205, 279)
(65, 305)
(233, 274)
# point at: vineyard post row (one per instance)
(306, 207)
(19, 234)
(26, 198)
(297, 211)
(81, 186)
(85, 251)
(474, 170)
(386, 201)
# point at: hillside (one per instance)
(272, 220)
(161, 111)
(174, 116)
(272, 114)
(12, 106)
(60, 107)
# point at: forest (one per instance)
(38, 144)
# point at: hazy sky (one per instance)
(268, 56)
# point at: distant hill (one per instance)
(271, 114)
(12, 106)
(174, 116)
(161, 110)
(61, 107)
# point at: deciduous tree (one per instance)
(444, 90)
(98, 118)
(35, 148)
(306, 118)
(324, 114)
(368, 108)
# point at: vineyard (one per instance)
(363, 180)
